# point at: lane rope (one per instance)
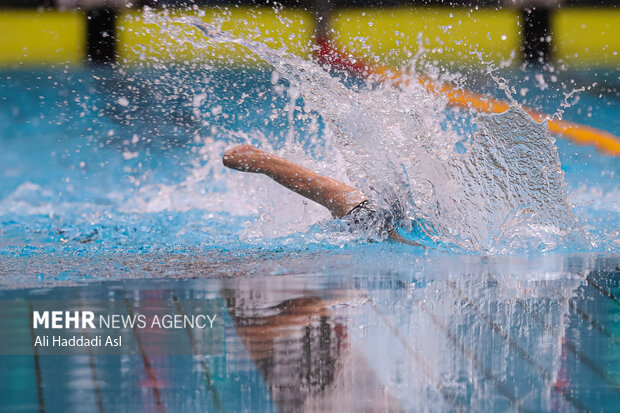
(578, 133)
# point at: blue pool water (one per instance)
(82, 171)
(112, 186)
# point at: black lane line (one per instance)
(147, 363)
(547, 376)
(583, 358)
(603, 291)
(595, 324)
(587, 361)
(37, 363)
(426, 369)
(501, 387)
(216, 398)
(93, 372)
(588, 317)
(93, 375)
(572, 302)
(488, 374)
(502, 333)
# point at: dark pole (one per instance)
(322, 11)
(536, 35)
(101, 40)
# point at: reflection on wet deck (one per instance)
(453, 341)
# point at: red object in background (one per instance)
(327, 54)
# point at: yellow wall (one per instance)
(449, 34)
(47, 37)
(584, 37)
(163, 41)
(581, 36)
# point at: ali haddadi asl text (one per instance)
(78, 341)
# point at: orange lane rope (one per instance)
(576, 132)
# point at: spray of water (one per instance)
(501, 192)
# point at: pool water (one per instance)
(84, 169)
(112, 186)
(317, 333)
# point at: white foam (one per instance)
(504, 194)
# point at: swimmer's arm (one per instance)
(336, 196)
(394, 235)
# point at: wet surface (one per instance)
(470, 333)
(112, 188)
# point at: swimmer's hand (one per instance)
(246, 158)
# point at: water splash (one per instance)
(503, 194)
(490, 184)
